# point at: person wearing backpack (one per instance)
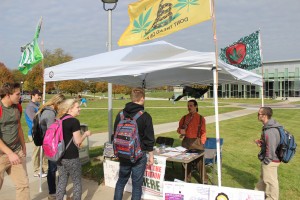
(70, 164)
(146, 138)
(48, 112)
(12, 143)
(31, 110)
(268, 143)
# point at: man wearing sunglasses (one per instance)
(268, 143)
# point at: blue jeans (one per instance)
(137, 169)
(51, 176)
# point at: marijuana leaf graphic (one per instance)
(185, 3)
(235, 55)
(141, 24)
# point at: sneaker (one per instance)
(38, 175)
(52, 197)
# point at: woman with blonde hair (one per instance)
(70, 164)
(48, 113)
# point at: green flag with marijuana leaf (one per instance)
(31, 53)
(245, 53)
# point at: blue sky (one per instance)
(79, 27)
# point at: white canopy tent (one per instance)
(152, 65)
(155, 64)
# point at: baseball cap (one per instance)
(36, 91)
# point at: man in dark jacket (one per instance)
(146, 135)
(268, 143)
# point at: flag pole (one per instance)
(41, 149)
(262, 70)
(215, 89)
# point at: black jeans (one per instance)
(51, 177)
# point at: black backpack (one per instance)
(36, 131)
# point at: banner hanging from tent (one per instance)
(245, 53)
(154, 19)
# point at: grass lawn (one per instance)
(240, 166)
(161, 112)
(295, 102)
(249, 101)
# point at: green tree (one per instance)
(18, 76)
(101, 87)
(93, 88)
(52, 58)
(71, 86)
(56, 57)
(35, 78)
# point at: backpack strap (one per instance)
(0, 110)
(199, 127)
(69, 143)
(19, 106)
(66, 117)
(122, 115)
(138, 114)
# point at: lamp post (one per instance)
(109, 6)
(22, 87)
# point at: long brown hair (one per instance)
(55, 101)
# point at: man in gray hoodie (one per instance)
(268, 143)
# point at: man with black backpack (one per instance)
(268, 143)
(31, 110)
(133, 115)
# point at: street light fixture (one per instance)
(22, 87)
(109, 2)
(113, 5)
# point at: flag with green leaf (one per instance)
(245, 53)
(31, 53)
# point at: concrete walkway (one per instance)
(91, 190)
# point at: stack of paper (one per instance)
(180, 149)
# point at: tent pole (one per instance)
(109, 89)
(217, 125)
(215, 75)
(44, 100)
(262, 71)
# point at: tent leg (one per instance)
(217, 125)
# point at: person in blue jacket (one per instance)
(31, 109)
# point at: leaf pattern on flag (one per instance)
(252, 58)
(183, 3)
(142, 23)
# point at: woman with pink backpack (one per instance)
(48, 113)
(70, 164)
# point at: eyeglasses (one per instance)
(260, 114)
